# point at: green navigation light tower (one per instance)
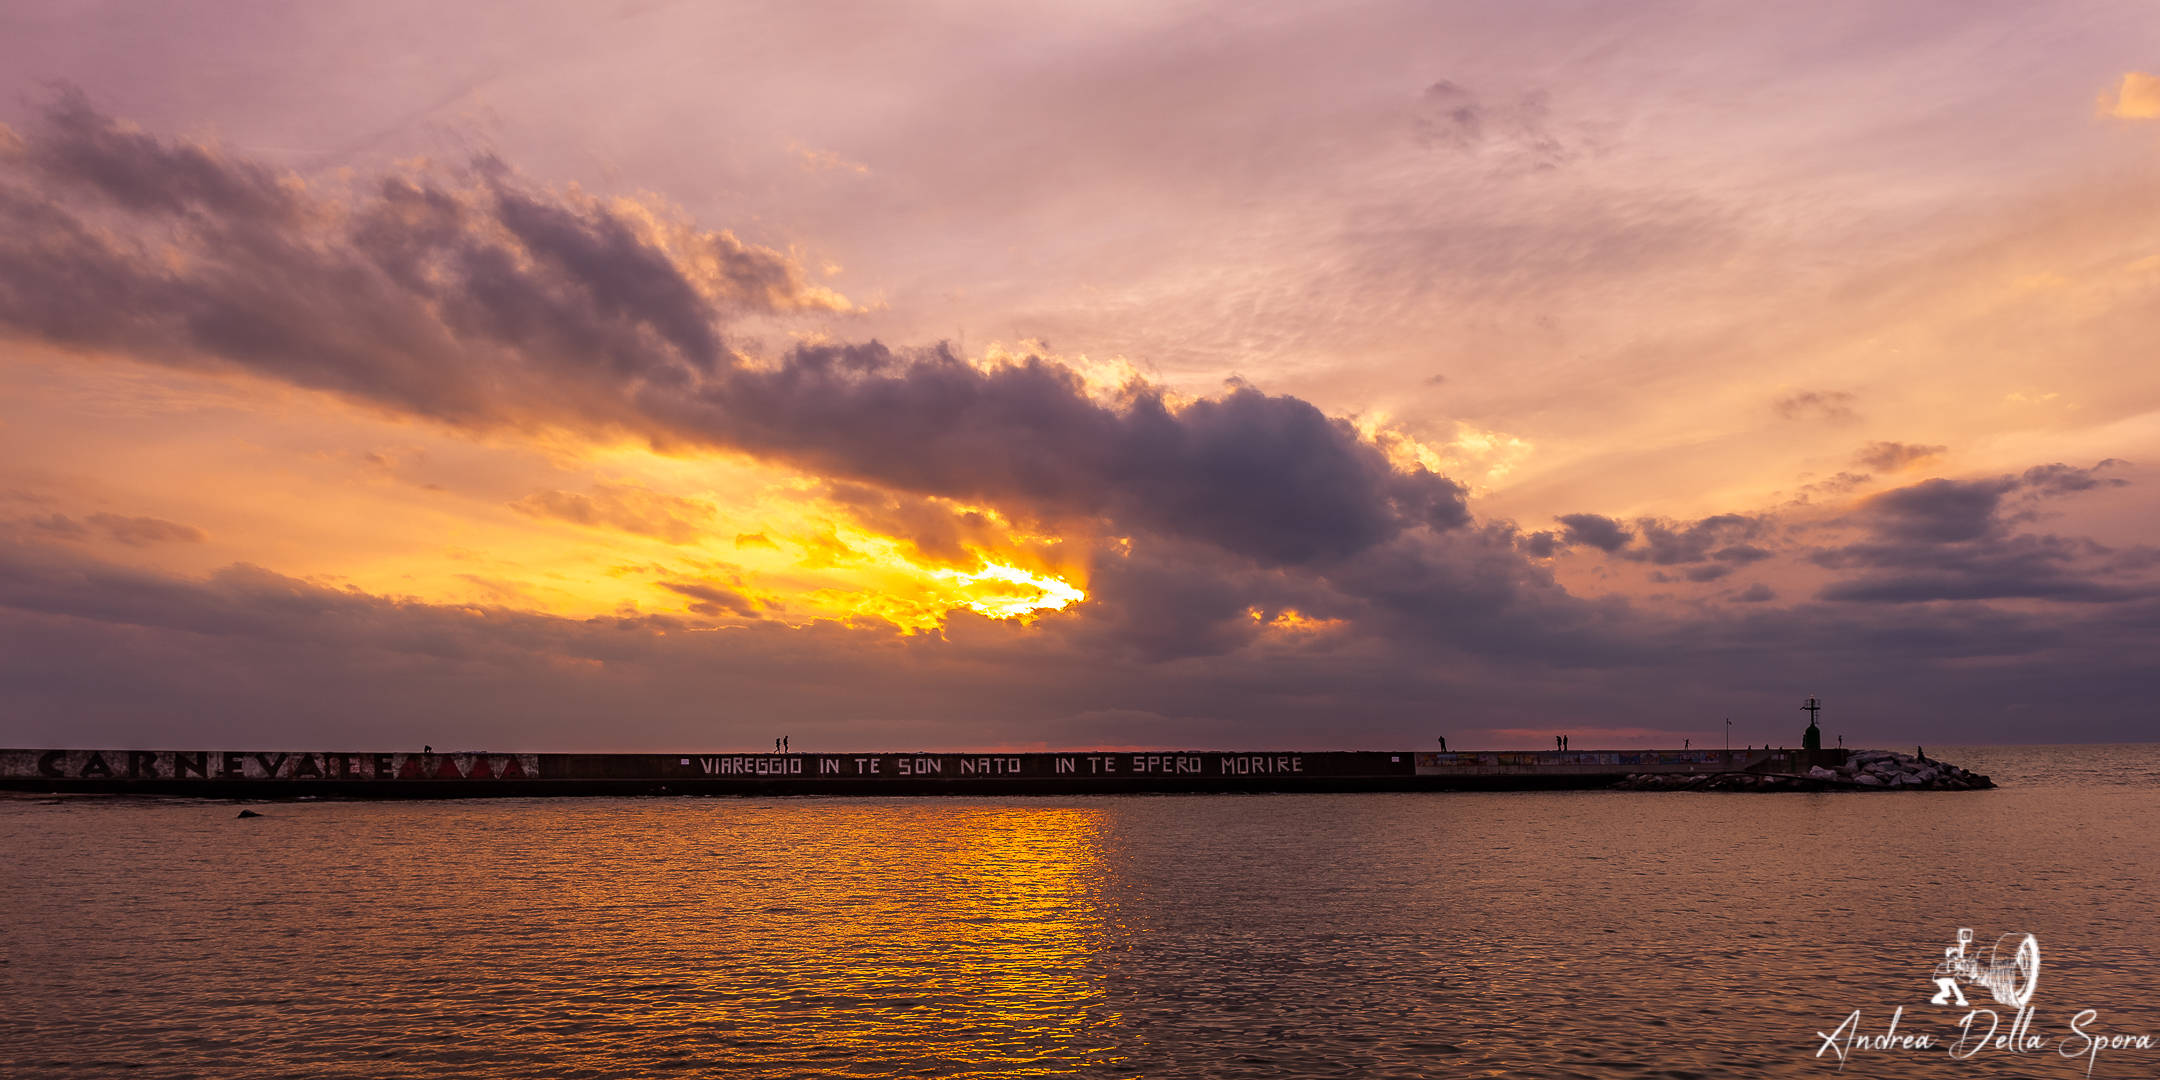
(1811, 739)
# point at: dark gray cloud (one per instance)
(1894, 456)
(1271, 478)
(1602, 533)
(143, 531)
(1938, 511)
(1664, 542)
(1699, 575)
(1831, 405)
(2038, 567)
(712, 599)
(1667, 543)
(459, 297)
(58, 526)
(626, 507)
(1169, 602)
(1936, 540)
(1837, 486)
(1471, 590)
(2060, 479)
(1956, 540)
(132, 531)
(473, 299)
(1740, 553)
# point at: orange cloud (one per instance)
(1897, 456)
(824, 160)
(2137, 98)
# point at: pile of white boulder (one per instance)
(1894, 771)
(1876, 770)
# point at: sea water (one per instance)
(1594, 934)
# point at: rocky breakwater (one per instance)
(1866, 770)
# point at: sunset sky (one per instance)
(1180, 375)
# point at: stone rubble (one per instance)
(1878, 770)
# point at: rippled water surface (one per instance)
(1520, 934)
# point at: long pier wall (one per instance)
(294, 774)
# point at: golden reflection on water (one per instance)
(956, 938)
(981, 930)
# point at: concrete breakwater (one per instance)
(479, 774)
(1863, 770)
